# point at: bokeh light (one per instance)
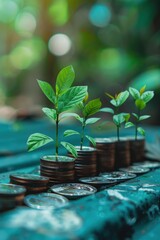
(59, 44)
(100, 15)
(25, 23)
(8, 10)
(27, 53)
(58, 12)
(113, 62)
(150, 78)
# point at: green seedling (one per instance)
(141, 98)
(118, 118)
(87, 108)
(63, 98)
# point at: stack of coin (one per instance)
(10, 196)
(137, 149)
(105, 154)
(33, 183)
(58, 170)
(122, 153)
(85, 163)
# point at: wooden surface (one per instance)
(126, 211)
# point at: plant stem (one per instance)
(82, 135)
(57, 137)
(118, 133)
(136, 125)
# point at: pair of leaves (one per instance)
(120, 118)
(141, 97)
(141, 117)
(119, 99)
(64, 81)
(68, 99)
(68, 133)
(38, 140)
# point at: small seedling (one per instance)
(118, 118)
(88, 108)
(63, 98)
(141, 98)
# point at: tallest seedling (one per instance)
(63, 97)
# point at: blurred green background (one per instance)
(112, 44)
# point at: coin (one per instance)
(135, 169)
(118, 175)
(97, 181)
(9, 190)
(29, 179)
(45, 201)
(73, 190)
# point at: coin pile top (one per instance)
(10, 196)
(11, 190)
(32, 182)
(62, 159)
(58, 170)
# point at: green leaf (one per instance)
(142, 90)
(134, 93)
(86, 98)
(64, 79)
(69, 133)
(92, 107)
(122, 97)
(91, 140)
(141, 131)
(108, 110)
(92, 120)
(75, 115)
(140, 104)
(144, 117)
(135, 115)
(47, 90)
(147, 96)
(126, 116)
(51, 113)
(37, 140)
(129, 124)
(70, 148)
(114, 102)
(118, 119)
(71, 97)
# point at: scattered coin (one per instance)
(45, 201)
(73, 190)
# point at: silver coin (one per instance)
(147, 164)
(118, 175)
(98, 180)
(45, 201)
(135, 169)
(73, 190)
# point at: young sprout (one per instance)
(88, 108)
(118, 118)
(63, 98)
(141, 98)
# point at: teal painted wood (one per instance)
(109, 214)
